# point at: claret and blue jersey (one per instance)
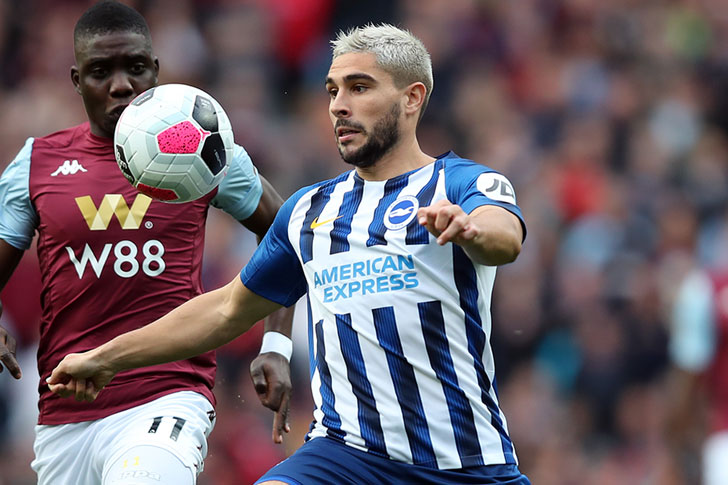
(111, 259)
(399, 327)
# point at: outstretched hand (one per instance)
(79, 375)
(447, 222)
(271, 375)
(7, 352)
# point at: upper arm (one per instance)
(496, 219)
(265, 213)
(9, 259)
(246, 306)
(276, 256)
(489, 200)
(475, 188)
(18, 218)
(240, 191)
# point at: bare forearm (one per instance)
(280, 321)
(493, 250)
(201, 324)
(490, 235)
(498, 239)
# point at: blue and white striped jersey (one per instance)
(399, 327)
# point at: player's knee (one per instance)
(147, 464)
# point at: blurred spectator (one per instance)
(610, 118)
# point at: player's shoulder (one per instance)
(61, 138)
(461, 173)
(306, 192)
(323, 185)
(452, 162)
(303, 192)
(240, 164)
(464, 177)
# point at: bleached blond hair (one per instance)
(396, 50)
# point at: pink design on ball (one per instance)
(181, 138)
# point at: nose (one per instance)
(121, 85)
(339, 106)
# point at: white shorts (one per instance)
(163, 441)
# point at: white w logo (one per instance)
(69, 167)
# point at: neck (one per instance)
(98, 131)
(402, 158)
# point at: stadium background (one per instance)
(610, 118)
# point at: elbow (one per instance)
(500, 251)
(507, 252)
(515, 251)
(509, 244)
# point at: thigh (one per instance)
(63, 454)
(148, 465)
(84, 453)
(155, 438)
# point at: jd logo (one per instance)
(98, 219)
(495, 186)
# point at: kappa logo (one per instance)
(401, 212)
(69, 167)
(98, 218)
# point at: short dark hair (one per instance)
(110, 16)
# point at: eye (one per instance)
(138, 68)
(98, 72)
(359, 88)
(333, 92)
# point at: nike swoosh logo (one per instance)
(315, 223)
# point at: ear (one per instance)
(414, 98)
(76, 79)
(156, 70)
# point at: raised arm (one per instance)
(490, 235)
(199, 325)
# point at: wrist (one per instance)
(277, 342)
(110, 356)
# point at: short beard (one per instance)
(384, 135)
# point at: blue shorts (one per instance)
(325, 461)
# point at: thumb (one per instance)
(63, 389)
(63, 372)
(57, 377)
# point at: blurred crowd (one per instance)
(609, 117)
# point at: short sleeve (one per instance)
(240, 190)
(274, 271)
(18, 218)
(471, 185)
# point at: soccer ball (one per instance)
(174, 143)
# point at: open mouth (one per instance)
(346, 133)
